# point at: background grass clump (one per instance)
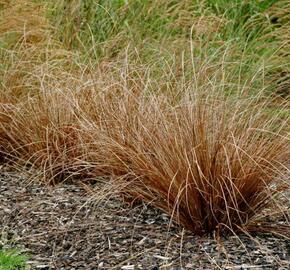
(106, 27)
(252, 34)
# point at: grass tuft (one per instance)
(212, 162)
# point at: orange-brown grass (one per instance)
(41, 134)
(37, 121)
(209, 161)
(28, 51)
(24, 35)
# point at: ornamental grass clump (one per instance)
(211, 162)
(41, 134)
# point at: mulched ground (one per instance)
(64, 228)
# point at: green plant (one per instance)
(12, 260)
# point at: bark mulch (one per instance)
(63, 227)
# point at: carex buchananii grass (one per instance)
(37, 122)
(211, 162)
(40, 134)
